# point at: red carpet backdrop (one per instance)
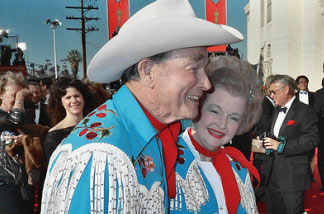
(314, 198)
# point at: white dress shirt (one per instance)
(281, 117)
(37, 112)
(303, 97)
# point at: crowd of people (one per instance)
(165, 141)
(34, 120)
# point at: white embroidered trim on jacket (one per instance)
(126, 195)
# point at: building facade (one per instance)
(287, 37)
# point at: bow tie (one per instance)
(37, 106)
(284, 109)
(303, 92)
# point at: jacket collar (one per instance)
(131, 113)
(291, 112)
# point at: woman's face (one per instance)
(221, 116)
(73, 101)
(9, 95)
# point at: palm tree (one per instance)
(65, 71)
(74, 57)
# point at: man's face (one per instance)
(279, 93)
(302, 84)
(180, 82)
(35, 90)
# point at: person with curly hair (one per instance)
(98, 92)
(69, 101)
(212, 178)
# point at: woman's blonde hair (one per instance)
(11, 78)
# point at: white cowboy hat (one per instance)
(161, 26)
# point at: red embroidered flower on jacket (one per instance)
(146, 163)
(291, 122)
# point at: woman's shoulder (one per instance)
(58, 134)
(60, 128)
(54, 128)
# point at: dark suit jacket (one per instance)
(319, 109)
(43, 117)
(264, 124)
(311, 98)
(292, 166)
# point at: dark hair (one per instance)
(98, 93)
(47, 81)
(55, 107)
(131, 73)
(33, 81)
(300, 77)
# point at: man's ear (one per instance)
(287, 89)
(145, 69)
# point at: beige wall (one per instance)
(295, 34)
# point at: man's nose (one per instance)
(204, 81)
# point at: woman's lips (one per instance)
(216, 134)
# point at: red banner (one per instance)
(216, 13)
(118, 13)
(13, 68)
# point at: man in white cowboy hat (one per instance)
(121, 157)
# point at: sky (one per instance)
(26, 19)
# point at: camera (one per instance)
(4, 138)
(269, 135)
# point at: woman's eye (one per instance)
(235, 119)
(214, 111)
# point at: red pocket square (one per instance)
(291, 122)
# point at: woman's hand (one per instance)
(17, 140)
(21, 96)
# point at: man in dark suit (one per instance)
(41, 116)
(263, 126)
(294, 126)
(45, 84)
(303, 94)
(319, 108)
(307, 97)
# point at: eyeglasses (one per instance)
(275, 91)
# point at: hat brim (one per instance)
(153, 37)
